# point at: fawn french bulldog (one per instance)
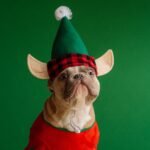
(67, 121)
(69, 107)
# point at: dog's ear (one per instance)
(105, 63)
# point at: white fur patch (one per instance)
(76, 120)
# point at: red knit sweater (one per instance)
(46, 137)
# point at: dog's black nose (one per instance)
(78, 76)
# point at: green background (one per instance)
(123, 108)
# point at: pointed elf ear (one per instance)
(105, 63)
(37, 68)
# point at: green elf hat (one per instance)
(68, 50)
(67, 39)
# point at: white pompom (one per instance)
(62, 12)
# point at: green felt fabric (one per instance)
(67, 41)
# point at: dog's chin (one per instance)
(81, 91)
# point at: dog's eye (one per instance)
(63, 76)
(91, 72)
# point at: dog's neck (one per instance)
(73, 119)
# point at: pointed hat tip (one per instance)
(63, 11)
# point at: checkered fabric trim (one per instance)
(56, 66)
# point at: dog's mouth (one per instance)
(78, 89)
(71, 90)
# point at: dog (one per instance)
(67, 121)
(71, 104)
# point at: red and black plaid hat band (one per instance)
(56, 66)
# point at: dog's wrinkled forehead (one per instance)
(77, 69)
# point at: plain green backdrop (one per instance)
(123, 107)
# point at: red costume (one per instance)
(43, 136)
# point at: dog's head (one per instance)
(74, 85)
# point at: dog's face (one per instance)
(76, 86)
